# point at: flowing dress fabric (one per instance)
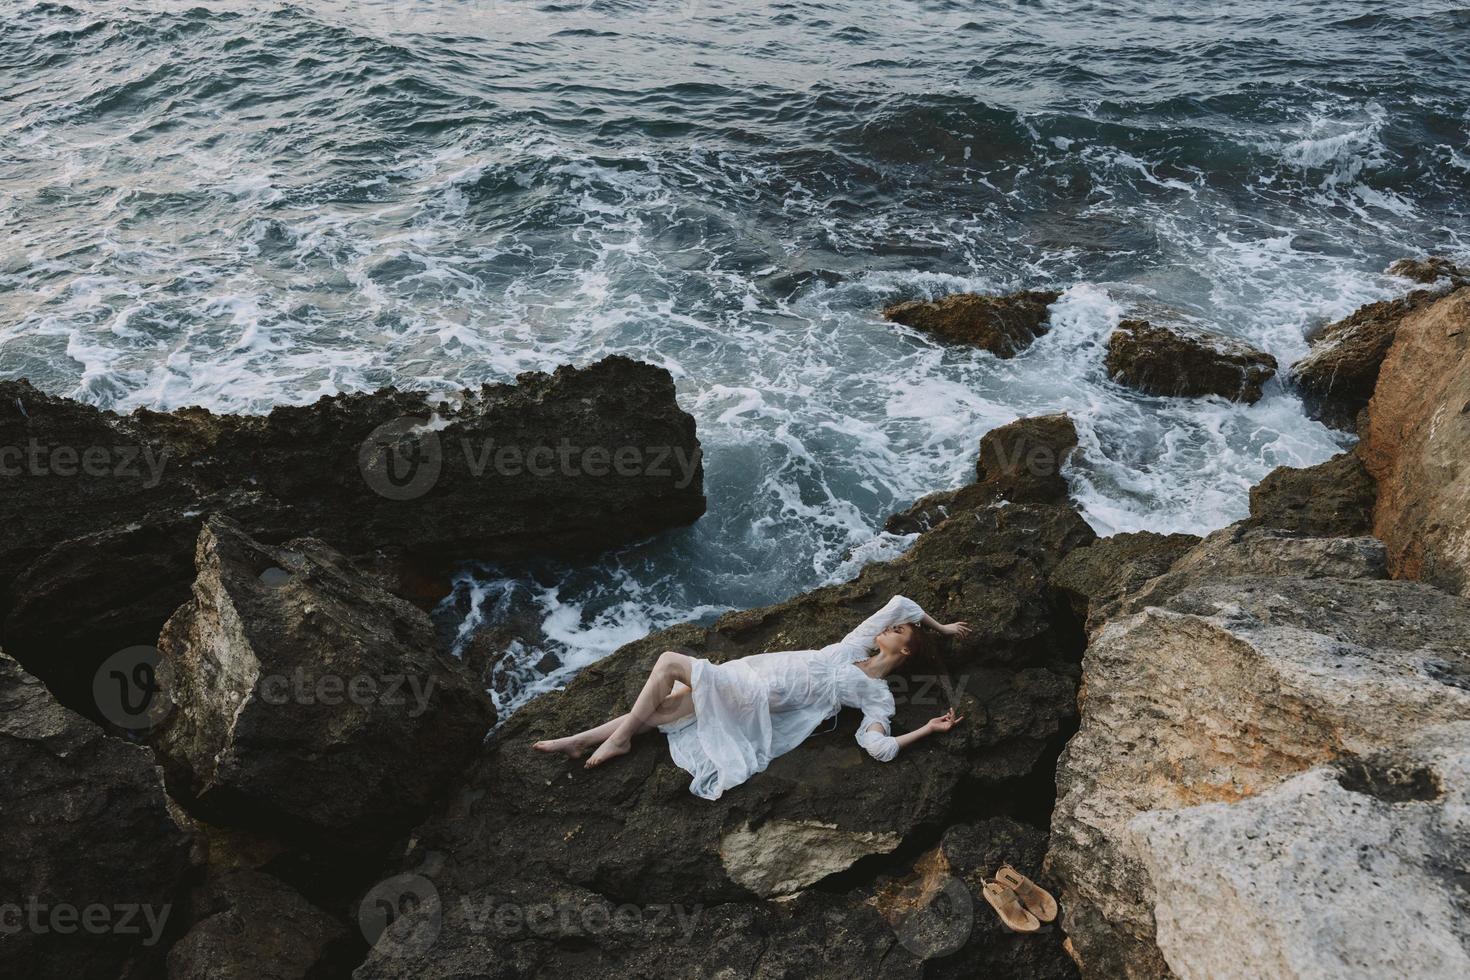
(752, 710)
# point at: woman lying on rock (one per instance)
(726, 722)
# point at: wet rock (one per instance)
(1338, 375)
(1160, 361)
(1331, 499)
(98, 524)
(1416, 444)
(92, 866)
(1371, 887)
(254, 927)
(1003, 325)
(1225, 691)
(1430, 271)
(530, 828)
(1096, 578)
(307, 702)
(1020, 462)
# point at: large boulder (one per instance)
(1020, 462)
(92, 865)
(252, 926)
(305, 701)
(1331, 499)
(1416, 444)
(98, 523)
(1221, 693)
(1003, 325)
(1373, 886)
(1160, 361)
(1338, 375)
(764, 859)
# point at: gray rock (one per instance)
(92, 865)
(307, 702)
(1350, 872)
(254, 927)
(1093, 580)
(1228, 690)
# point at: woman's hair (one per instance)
(923, 647)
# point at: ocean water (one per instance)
(241, 204)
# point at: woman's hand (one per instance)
(945, 721)
(955, 629)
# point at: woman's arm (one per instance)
(948, 629)
(884, 747)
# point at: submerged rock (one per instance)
(97, 530)
(307, 702)
(1338, 375)
(1416, 444)
(1003, 325)
(1373, 887)
(1160, 361)
(1331, 499)
(92, 865)
(775, 866)
(1221, 693)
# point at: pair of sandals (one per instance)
(1021, 903)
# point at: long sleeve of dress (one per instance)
(877, 708)
(900, 609)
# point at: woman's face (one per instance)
(895, 638)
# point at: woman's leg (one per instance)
(670, 669)
(677, 705)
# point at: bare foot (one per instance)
(608, 750)
(571, 747)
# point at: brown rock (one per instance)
(1020, 462)
(1160, 361)
(1093, 579)
(1337, 377)
(1417, 446)
(1429, 271)
(1003, 325)
(1331, 499)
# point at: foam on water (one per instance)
(241, 204)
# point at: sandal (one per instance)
(1037, 900)
(1007, 905)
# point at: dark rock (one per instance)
(1330, 500)
(1003, 325)
(1429, 271)
(95, 555)
(528, 828)
(254, 927)
(306, 701)
(1338, 376)
(1093, 579)
(1160, 361)
(1020, 462)
(85, 830)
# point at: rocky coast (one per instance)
(1237, 755)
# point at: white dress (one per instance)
(749, 711)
